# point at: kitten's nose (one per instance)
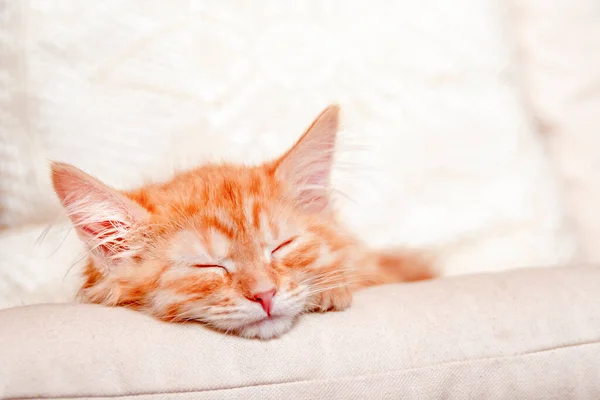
(265, 299)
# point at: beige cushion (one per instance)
(527, 334)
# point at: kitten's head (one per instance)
(242, 249)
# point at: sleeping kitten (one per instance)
(242, 249)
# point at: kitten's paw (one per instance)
(336, 299)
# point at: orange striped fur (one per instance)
(242, 249)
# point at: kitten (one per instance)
(242, 249)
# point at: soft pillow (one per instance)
(130, 91)
(558, 43)
(528, 334)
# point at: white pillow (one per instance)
(437, 150)
(559, 43)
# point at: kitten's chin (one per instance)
(267, 328)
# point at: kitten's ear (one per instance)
(106, 220)
(306, 167)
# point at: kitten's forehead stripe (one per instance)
(256, 215)
(215, 223)
(226, 218)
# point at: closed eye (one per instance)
(209, 266)
(282, 245)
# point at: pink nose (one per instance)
(265, 299)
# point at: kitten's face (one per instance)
(234, 252)
(242, 249)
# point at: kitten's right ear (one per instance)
(106, 220)
(306, 167)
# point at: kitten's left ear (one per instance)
(306, 167)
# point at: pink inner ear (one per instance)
(105, 234)
(102, 222)
(103, 217)
(319, 178)
(307, 165)
(313, 192)
(312, 201)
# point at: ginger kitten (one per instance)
(243, 249)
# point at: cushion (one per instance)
(525, 334)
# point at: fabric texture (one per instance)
(526, 334)
(437, 149)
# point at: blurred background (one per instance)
(469, 126)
